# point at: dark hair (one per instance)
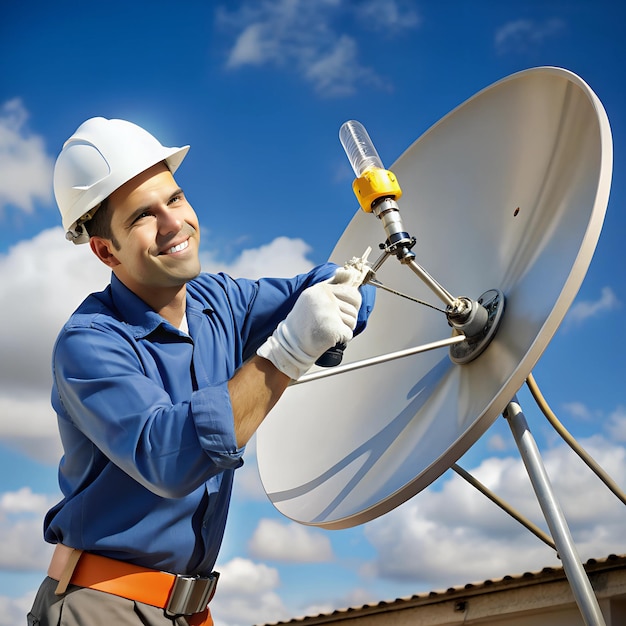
(100, 224)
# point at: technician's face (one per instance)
(157, 232)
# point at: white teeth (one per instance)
(179, 247)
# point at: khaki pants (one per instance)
(88, 607)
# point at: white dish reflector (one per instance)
(506, 192)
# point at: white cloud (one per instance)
(246, 591)
(281, 257)
(578, 410)
(616, 425)
(454, 535)
(497, 443)
(13, 610)
(524, 36)
(583, 310)
(353, 598)
(43, 280)
(255, 577)
(278, 33)
(29, 425)
(22, 501)
(22, 547)
(388, 15)
(329, 73)
(304, 37)
(587, 503)
(26, 167)
(21, 513)
(251, 48)
(289, 542)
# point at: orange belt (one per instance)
(178, 595)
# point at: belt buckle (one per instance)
(191, 594)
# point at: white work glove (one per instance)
(323, 316)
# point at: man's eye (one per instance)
(175, 199)
(141, 216)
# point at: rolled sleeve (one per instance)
(213, 416)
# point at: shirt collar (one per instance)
(137, 314)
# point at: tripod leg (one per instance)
(574, 571)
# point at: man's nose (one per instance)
(170, 222)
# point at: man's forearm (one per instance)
(254, 390)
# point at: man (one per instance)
(159, 381)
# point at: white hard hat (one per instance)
(99, 158)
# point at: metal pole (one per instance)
(375, 360)
(443, 294)
(572, 565)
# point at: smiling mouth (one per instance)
(178, 248)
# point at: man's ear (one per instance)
(104, 250)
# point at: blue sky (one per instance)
(260, 89)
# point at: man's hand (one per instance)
(323, 316)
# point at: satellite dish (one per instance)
(505, 195)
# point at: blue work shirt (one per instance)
(145, 417)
